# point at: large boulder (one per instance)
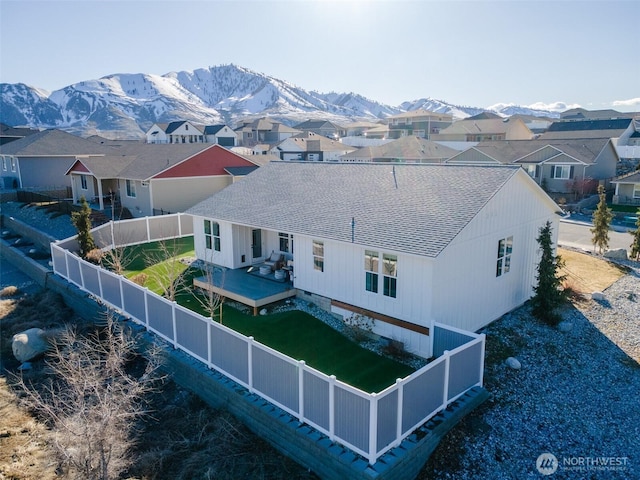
(29, 344)
(616, 254)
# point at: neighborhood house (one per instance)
(403, 246)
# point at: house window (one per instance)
(286, 242)
(505, 246)
(83, 182)
(318, 255)
(390, 272)
(13, 164)
(212, 235)
(563, 172)
(4, 164)
(636, 191)
(371, 269)
(131, 188)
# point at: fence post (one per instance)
(332, 407)
(148, 229)
(301, 364)
(373, 427)
(173, 321)
(81, 274)
(445, 389)
(66, 263)
(146, 308)
(209, 353)
(400, 387)
(180, 224)
(482, 352)
(250, 364)
(99, 281)
(121, 293)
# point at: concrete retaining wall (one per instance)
(36, 236)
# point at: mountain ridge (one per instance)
(125, 105)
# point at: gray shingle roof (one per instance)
(406, 148)
(148, 159)
(509, 151)
(429, 207)
(53, 143)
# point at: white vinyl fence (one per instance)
(368, 423)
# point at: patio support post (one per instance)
(100, 200)
(301, 365)
(400, 387)
(332, 407)
(445, 387)
(373, 427)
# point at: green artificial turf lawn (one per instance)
(182, 247)
(304, 337)
(293, 333)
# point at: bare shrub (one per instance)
(94, 256)
(168, 270)
(92, 400)
(359, 327)
(139, 279)
(10, 291)
(210, 301)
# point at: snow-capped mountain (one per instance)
(126, 105)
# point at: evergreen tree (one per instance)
(82, 221)
(635, 246)
(549, 294)
(601, 221)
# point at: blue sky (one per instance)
(476, 53)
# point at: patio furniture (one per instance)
(275, 260)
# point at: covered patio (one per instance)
(247, 286)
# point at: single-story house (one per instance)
(40, 160)
(562, 166)
(310, 147)
(409, 149)
(9, 134)
(580, 129)
(627, 189)
(404, 245)
(148, 179)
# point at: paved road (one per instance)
(578, 235)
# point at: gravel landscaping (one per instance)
(575, 396)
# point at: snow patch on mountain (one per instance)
(125, 105)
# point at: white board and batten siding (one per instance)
(343, 279)
(468, 294)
